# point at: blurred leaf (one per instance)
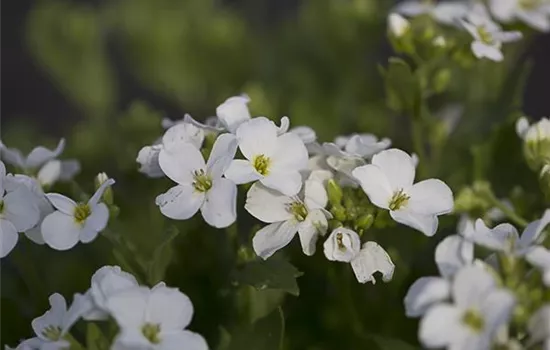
(270, 274)
(401, 85)
(162, 257)
(95, 340)
(386, 343)
(265, 334)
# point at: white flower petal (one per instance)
(12, 156)
(181, 134)
(290, 154)
(222, 154)
(273, 237)
(180, 202)
(131, 339)
(440, 326)
(96, 197)
(522, 125)
(497, 308)
(60, 231)
(397, 166)
(413, 8)
(220, 205)
(430, 197)
(241, 171)
(49, 173)
(148, 158)
(128, 307)
(508, 37)
(503, 10)
(448, 12)
(315, 194)
(179, 165)
(80, 306)
(372, 258)
(424, 293)
(53, 317)
(375, 184)
(41, 155)
(539, 257)
(107, 281)
(184, 339)
(169, 308)
(532, 232)
(62, 203)
(305, 133)
(342, 245)
(233, 112)
(258, 136)
(21, 209)
(482, 50)
(427, 224)
(535, 19)
(285, 124)
(96, 222)
(471, 285)
(539, 325)
(499, 238)
(8, 237)
(309, 230)
(211, 124)
(288, 183)
(452, 253)
(69, 168)
(267, 205)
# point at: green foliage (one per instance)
(270, 274)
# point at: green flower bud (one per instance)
(338, 212)
(335, 193)
(108, 194)
(365, 221)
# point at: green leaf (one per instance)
(401, 85)
(266, 334)
(162, 257)
(95, 340)
(270, 274)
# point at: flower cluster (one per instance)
(295, 184)
(147, 318)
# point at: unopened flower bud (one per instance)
(108, 194)
(335, 193)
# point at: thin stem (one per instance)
(510, 213)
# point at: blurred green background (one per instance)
(104, 73)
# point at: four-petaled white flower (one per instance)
(488, 35)
(73, 222)
(443, 12)
(200, 185)
(276, 161)
(18, 212)
(480, 308)
(534, 13)
(154, 319)
(388, 182)
(42, 163)
(345, 245)
(287, 215)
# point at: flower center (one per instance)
(261, 164)
(529, 4)
(203, 182)
(473, 319)
(484, 35)
(340, 241)
(299, 210)
(52, 333)
(151, 332)
(399, 200)
(81, 212)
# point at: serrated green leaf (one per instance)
(95, 340)
(270, 274)
(265, 334)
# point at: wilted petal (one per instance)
(372, 258)
(342, 245)
(220, 205)
(424, 293)
(273, 237)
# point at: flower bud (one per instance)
(107, 196)
(536, 147)
(343, 245)
(398, 25)
(365, 222)
(335, 193)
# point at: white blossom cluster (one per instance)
(45, 218)
(478, 20)
(288, 171)
(147, 318)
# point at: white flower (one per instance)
(356, 146)
(539, 327)
(505, 237)
(535, 132)
(309, 138)
(388, 182)
(480, 308)
(51, 327)
(288, 215)
(534, 13)
(200, 186)
(345, 245)
(18, 212)
(276, 161)
(398, 25)
(488, 35)
(444, 12)
(540, 257)
(439, 41)
(154, 319)
(106, 282)
(42, 162)
(210, 124)
(73, 222)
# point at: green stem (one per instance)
(74, 344)
(510, 213)
(282, 338)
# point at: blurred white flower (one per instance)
(488, 35)
(309, 138)
(534, 13)
(200, 185)
(345, 245)
(539, 257)
(287, 215)
(154, 319)
(443, 12)
(276, 161)
(42, 163)
(398, 25)
(480, 308)
(535, 132)
(73, 222)
(539, 327)
(356, 146)
(18, 212)
(388, 182)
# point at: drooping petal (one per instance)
(452, 254)
(430, 197)
(93, 202)
(424, 293)
(427, 224)
(342, 245)
(128, 307)
(180, 202)
(258, 136)
(148, 158)
(21, 209)
(169, 308)
(273, 237)
(471, 285)
(181, 134)
(233, 112)
(220, 205)
(310, 229)
(482, 50)
(440, 326)
(180, 165)
(60, 231)
(375, 184)
(267, 205)
(41, 155)
(501, 237)
(186, 339)
(397, 166)
(372, 258)
(497, 308)
(8, 237)
(241, 171)
(288, 183)
(366, 145)
(95, 223)
(61, 203)
(53, 317)
(222, 154)
(290, 154)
